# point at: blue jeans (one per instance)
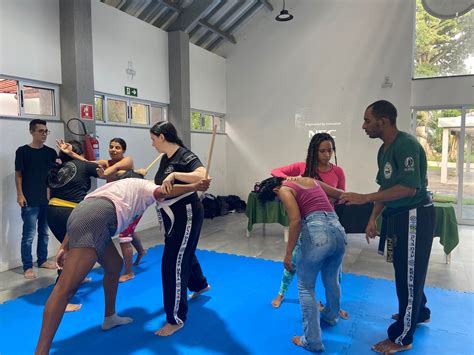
(322, 246)
(31, 217)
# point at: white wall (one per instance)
(15, 133)
(208, 93)
(119, 38)
(30, 51)
(455, 91)
(207, 80)
(200, 143)
(29, 38)
(325, 66)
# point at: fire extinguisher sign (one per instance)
(87, 112)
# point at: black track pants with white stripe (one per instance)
(413, 237)
(180, 268)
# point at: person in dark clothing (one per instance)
(32, 163)
(408, 219)
(182, 218)
(69, 183)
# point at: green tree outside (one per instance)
(442, 45)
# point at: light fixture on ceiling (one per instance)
(284, 15)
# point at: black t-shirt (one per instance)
(72, 181)
(34, 165)
(182, 161)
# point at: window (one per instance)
(116, 111)
(157, 114)
(99, 107)
(9, 105)
(140, 113)
(37, 101)
(204, 121)
(27, 99)
(444, 47)
(125, 111)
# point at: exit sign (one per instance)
(131, 91)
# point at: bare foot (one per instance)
(126, 277)
(114, 321)
(139, 258)
(276, 303)
(86, 280)
(48, 265)
(169, 329)
(395, 317)
(389, 347)
(72, 307)
(30, 274)
(296, 340)
(199, 293)
(342, 313)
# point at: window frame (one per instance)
(214, 115)
(20, 84)
(129, 101)
(414, 50)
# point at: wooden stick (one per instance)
(153, 162)
(210, 150)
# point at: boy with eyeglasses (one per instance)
(32, 163)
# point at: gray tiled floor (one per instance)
(227, 235)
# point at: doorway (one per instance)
(446, 135)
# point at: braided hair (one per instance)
(311, 169)
(266, 194)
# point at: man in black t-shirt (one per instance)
(32, 163)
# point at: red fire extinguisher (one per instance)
(91, 147)
(91, 144)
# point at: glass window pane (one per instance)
(467, 205)
(116, 111)
(207, 122)
(220, 122)
(438, 133)
(156, 114)
(139, 113)
(99, 108)
(444, 47)
(9, 98)
(196, 120)
(38, 101)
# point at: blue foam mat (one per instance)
(235, 317)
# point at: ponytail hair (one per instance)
(168, 131)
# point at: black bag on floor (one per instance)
(211, 206)
(235, 203)
(223, 205)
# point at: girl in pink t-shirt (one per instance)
(320, 151)
(105, 211)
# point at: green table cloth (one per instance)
(270, 212)
(446, 227)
